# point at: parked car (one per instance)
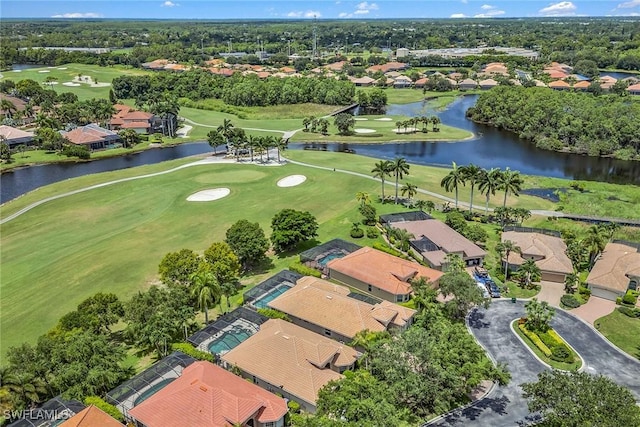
(481, 272)
(492, 288)
(483, 289)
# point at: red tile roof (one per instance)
(206, 395)
(91, 416)
(559, 84)
(87, 134)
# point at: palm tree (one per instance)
(453, 180)
(510, 182)
(400, 168)
(425, 205)
(225, 129)
(504, 249)
(472, 174)
(435, 121)
(409, 190)
(363, 198)
(227, 289)
(381, 170)
(215, 138)
(253, 142)
(529, 271)
(489, 182)
(281, 145)
(595, 241)
(206, 289)
(571, 281)
(7, 107)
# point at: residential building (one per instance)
(634, 89)
(488, 84)
(14, 137)
(559, 85)
(434, 239)
(127, 118)
(616, 270)
(546, 248)
(91, 416)
(582, 85)
(363, 81)
(331, 310)
(290, 360)
(467, 84)
(402, 82)
(380, 274)
(206, 395)
(92, 136)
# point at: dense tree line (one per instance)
(237, 89)
(559, 120)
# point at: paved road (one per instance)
(504, 406)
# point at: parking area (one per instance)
(594, 309)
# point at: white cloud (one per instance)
(463, 2)
(458, 15)
(293, 14)
(312, 14)
(361, 12)
(78, 15)
(366, 6)
(563, 8)
(492, 13)
(487, 7)
(345, 15)
(169, 4)
(628, 4)
(301, 14)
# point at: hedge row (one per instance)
(570, 301)
(631, 312)
(98, 402)
(536, 340)
(298, 267)
(386, 248)
(189, 350)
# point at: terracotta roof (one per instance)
(551, 248)
(614, 266)
(222, 71)
(336, 66)
(91, 416)
(17, 102)
(292, 358)
(607, 79)
(207, 395)
(382, 270)
(582, 85)
(88, 134)
(556, 74)
(421, 82)
(121, 109)
(327, 305)
(137, 115)
(263, 74)
(634, 88)
(134, 125)
(559, 84)
(363, 80)
(468, 82)
(445, 237)
(12, 133)
(488, 83)
(288, 70)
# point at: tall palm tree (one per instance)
(530, 272)
(510, 182)
(571, 281)
(409, 190)
(504, 249)
(595, 241)
(281, 145)
(472, 174)
(453, 180)
(215, 138)
(435, 121)
(206, 289)
(425, 205)
(227, 289)
(252, 142)
(7, 107)
(225, 129)
(400, 168)
(489, 183)
(381, 170)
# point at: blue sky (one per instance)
(323, 9)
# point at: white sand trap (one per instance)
(51, 83)
(407, 130)
(360, 119)
(364, 130)
(384, 119)
(72, 84)
(292, 181)
(209, 195)
(17, 71)
(44, 71)
(62, 68)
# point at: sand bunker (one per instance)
(360, 119)
(44, 71)
(363, 130)
(407, 130)
(384, 119)
(292, 181)
(209, 195)
(72, 84)
(62, 68)
(17, 71)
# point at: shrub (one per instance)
(373, 232)
(143, 137)
(631, 312)
(106, 407)
(629, 298)
(584, 291)
(536, 340)
(569, 301)
(72, 150)
(189, 350)
(561, 353)
(273, 314)
(298, 267)
(294, 406)
(357, 232)
(618, 300)
(385, 248)
(550, 338)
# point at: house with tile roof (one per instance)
(128, 118)
(290, 360)
(467, 84)
(380, 274)
(582, 85)
(559, 85)
(616, 270)
(91, 416)
(14, 137)
(434, 239)
(634, 89)
(206, 395)
(363, 81)
(546, 250)
(329, 309)
(92, 136)
(488, 84)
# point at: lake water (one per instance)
(490, 148)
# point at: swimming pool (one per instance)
(274, 293)
(152, 390)
(325, 259)
(229, 339)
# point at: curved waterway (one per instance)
(490, 148)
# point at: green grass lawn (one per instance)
(621, 330)
(554, 364)
(67, 72)
(517, 291)
(111, 239)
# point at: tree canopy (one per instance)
(291, 227)
(248, 242)
(177, 267)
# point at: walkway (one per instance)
(504, 405)
(551, 292)
(256, 129)
(594, 309)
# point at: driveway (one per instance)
(594, 309)
(504, 406)
(551, 292)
